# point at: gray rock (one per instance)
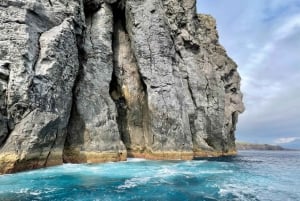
(31, 144)
(43, 66)
(4, 76)
(97, 138)
(169, 133)
(97, 80)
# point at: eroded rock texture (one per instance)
(100, 80)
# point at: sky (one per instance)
(263, 38)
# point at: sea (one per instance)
(251, 175)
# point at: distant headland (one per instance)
(250, 146)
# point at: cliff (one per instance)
(103, 80)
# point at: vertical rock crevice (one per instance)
(75, 124)
(93, 134)
(127, 88)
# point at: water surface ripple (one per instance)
(252, 175)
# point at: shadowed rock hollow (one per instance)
(95, 80)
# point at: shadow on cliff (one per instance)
(74, 139)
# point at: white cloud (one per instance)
(285, 29)
(257, 58)
(262, 37)
(286, 140)
(258, 89)
(288, 28)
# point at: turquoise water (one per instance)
(252, 175)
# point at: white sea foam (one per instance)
(35, 193)
(166, 172)
(27, 191)
(23, 190)
(131, 183)
(238, 191)
(215, 171)
(135, 159)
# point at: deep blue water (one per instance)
(252, 175)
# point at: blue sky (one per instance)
(263, 37)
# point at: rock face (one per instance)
(103, 80)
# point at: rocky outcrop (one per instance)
(93, 134)
(103, 80)
(40, 46)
